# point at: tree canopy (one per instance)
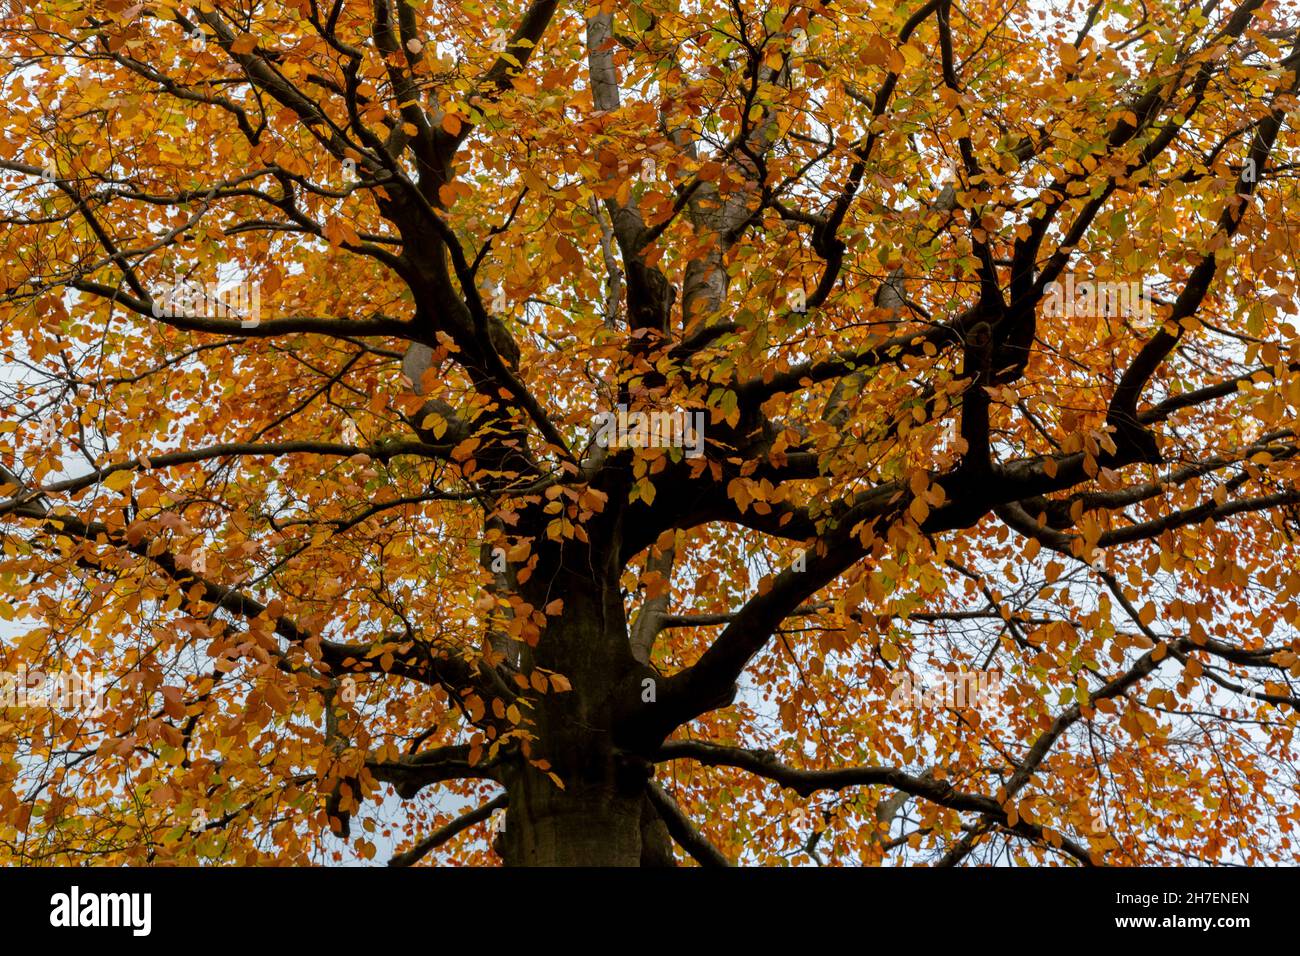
(667, 431)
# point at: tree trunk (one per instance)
(600, 815)
(587, 825)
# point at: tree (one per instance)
(655, 431)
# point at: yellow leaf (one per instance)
(560, 683)
(118, 480)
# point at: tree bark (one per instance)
(580, 825)
(600, 816)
